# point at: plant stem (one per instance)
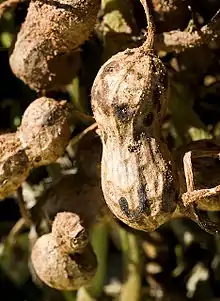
(99, 241)
(131, 290)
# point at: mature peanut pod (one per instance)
(129, 99)
(41, 139)
(45, 55)
(44, 131)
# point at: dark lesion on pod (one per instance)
(148, 120)
(156, 99)
(169, 193)
(161, 86)
(141, 208)
(122, 112)
(133, 148)
(111, 67)
(57, 4)
(163, 75)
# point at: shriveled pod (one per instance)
(14, 164)
(44, 132)
(64, 259)
(69, 232)
(129, 99)
(46, 52)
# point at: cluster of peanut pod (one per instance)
(139, 179)
(46, 56)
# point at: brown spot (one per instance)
(38, 159)
(122, 112)
(133, 148)
(143, 200)
(129, 52)
(139, 75)
(123, 203)
(109, 68)
(156, 98)
(148, 120)
(170, 196)
(141, 208)
(105, 137)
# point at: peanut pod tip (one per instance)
(64, 268)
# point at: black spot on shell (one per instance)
(139, 75)
(109, 68)
(154, 67)
(122, 112)
(148, 120)
(38, 159)
(104, 137)
(156, 99)
(142, 206)
(170, 196)
(123, 203)
(129, 52)
(158, 69)
(133, 148)
(143, 200)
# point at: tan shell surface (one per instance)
(14, 164)
(44, 130)
(60, 270)
(44, 47)
(129, 100)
